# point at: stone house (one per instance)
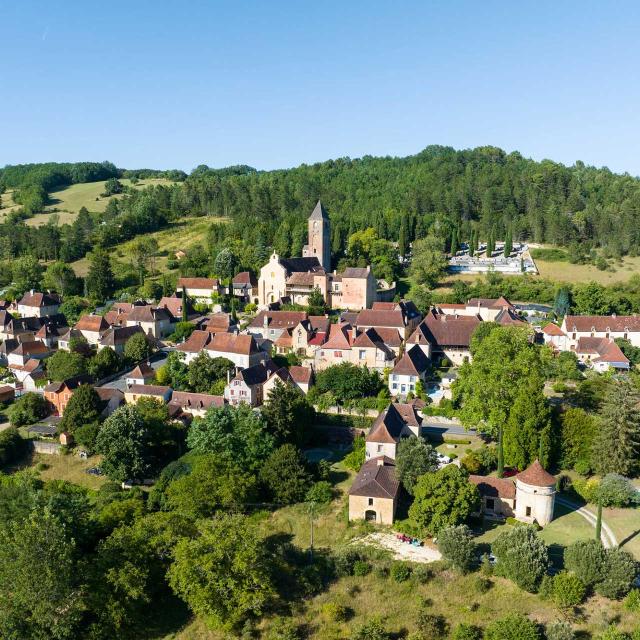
(142, 374)
(247, 385)
(244, 286)
(38, 305)
(396, 422)
(111, 399)
(200, 290)
(154, 322)
(529, 496)
(241, 349)
(137, 391)
(614, 326)
(302, 377)
(554, 336)
(373, 496)
(272, 324)
(601, 354)
(92, 328)
(194, 405)
(116, 338)
(402, 316)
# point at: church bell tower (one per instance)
(319, 237)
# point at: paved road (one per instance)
(157, 360)
(434, 427)
(609, 540)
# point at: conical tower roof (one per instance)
(536, 475)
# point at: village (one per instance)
(274, 337)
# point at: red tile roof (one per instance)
(339, 337)
(38, 299)
(441, 330)
(198, 283)
(301, 375)
(413, 363)
(376, 479)
(535, 475)
(92, 323)
(494, 487)
(552, 330)
(389, 424)
(278, 319)
(233, 343)
(245, 277)
(605, 348)
(602, 323)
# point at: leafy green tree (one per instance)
(104, 363)
(111, 187)
(373, 629)
(501, 392)
(355, 458)
(100, 282)
(26, 272)
(12, 446)
(562, 302)
(457, 546)
(28, 409)
(60, 277)
(616, 446)
(72, 308)
(428, 262)
(414, 458)
(124, 442)
(348, 382)
(63, 365)
(142, 252)
(286, 475)
(174, 373)
(84, 407)
(522, 557)
(617, 491)
(586, 559)
(204, 372)
(224, 574)
(138, 347)
(43, 596)
(513, 626)
(316, 303)
(225, 264)
(288, 414)
(443, 498)
(182, 331)
(631, 352)
(620, 570)
(212, 484)
(236, 434)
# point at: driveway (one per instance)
(607, 536)
(156, 360)
(443, 427)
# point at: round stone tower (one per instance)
(535, 495)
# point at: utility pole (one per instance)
(311, 514)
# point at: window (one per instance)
(394, 377)
(337, 354)
(394, 385)
(490, 503)
(379, 448)
(363, 354)
(528, 511)
(370, 502)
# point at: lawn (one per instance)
(68, 201)
(567, 272)
(181, 234)
(66, 467)
(625, 524)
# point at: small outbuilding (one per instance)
(374, 493)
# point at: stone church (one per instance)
(293, 279)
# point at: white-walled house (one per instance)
(200, 290)
(614, 326)
(241, 349)
(37, 305)
(411, 368)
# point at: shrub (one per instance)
(422, 574)
(344, 561)
(320, 492)
(586, 559)
(372, 630)
(568, 590)
(336, 612)
(481, 584)
(617, 491)
(431, 626)
(361, 568)
(400, 571)
(284, 629)
(620, 570)
(613, 634)
(355, 459)
(467, 632)
(632, 601)
(512, 627)
(559, 631)
(12, 446)
(28, 409)
(586, 489)
(522, 557)
(457, 546)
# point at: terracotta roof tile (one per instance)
(536, 475)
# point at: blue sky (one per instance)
(274, 84)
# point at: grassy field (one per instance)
(66, 467)
(567, 272)
(182, 234)
(68, 201)
(455, 597)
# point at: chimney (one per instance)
(228, 376)
(380, 461)
(265, 320)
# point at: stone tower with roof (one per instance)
(319, 237)
(535, 495)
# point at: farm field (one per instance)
(68, 201)
(567, 272)
(181, 234)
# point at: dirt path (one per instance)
(401, 550)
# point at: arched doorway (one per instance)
(370, 515)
